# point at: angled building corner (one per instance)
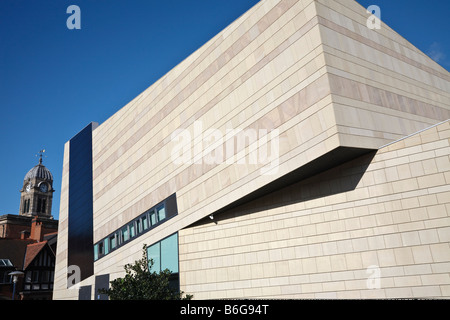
(355, 174)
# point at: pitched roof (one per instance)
(32, 251)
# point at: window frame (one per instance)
(153, 217)
(112, 238)
(160, 261)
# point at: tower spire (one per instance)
(40, 153)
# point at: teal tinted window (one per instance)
(165, 254)
(139, 226)
(153, 252)
(169, 253)
(106, 246)
(145, 222)
(153, 218)
(96, 252)
(161, 213)
(113, 241)
(132, 230)
(125, 234)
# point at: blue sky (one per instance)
(54, 81)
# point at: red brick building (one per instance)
(28, 240)
(33, 253)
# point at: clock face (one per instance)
(43, 187)
(28, 187)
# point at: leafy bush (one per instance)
(140, 283)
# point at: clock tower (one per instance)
(37, 192)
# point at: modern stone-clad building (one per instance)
(297, 154)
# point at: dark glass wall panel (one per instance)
(171, 206)
(80, 233)
(101, 282)
(85, 293)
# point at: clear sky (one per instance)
(54, 81)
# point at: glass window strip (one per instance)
(149, 220)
